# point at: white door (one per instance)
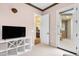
(77, 34)
(44, 29)
(77, 29)
(58, 28)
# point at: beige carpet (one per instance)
(44, 50)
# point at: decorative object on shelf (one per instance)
(14, 10)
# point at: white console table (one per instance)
(15, 46)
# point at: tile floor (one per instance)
(68, 45)
(44, 50)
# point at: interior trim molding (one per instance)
(67, 51)
(40, 8)
(50, 6)
(33, 6)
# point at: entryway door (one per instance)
(77, 33)
(44, 29)
(73, 28)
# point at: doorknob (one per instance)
(47, 32)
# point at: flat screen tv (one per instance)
(9, 32)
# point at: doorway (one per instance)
(65, 39)
(42, 29)
(65, 30)
(37, 27)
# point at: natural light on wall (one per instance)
(66, 17)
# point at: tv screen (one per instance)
(9, 32)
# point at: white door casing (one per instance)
(77, 32)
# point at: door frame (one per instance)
(77, 33)
(59, 21)
(35, 14)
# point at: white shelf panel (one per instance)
(12, 52)
(27, 44)
(11, 48)
(3, 50)
(14, 46)
(27, 50)
(20, 46)
(13, 39)
(20, 42)
(20, 49)
(27, 47)
(27, 40)
(3, 46)
(4, 53)
(20, 53)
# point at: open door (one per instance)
(77, 33)
(37, 20)
(44, 29)
(66, 29)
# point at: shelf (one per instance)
(3, 46)
(27, 40)
(11, 48)
(20, 46)
(20, 50)
(3, 50)
(14, 46)
(12, 51)
(1, 41)
(13, 39)
(4, 53)
(27, 44)
(20, 53)
(27, 50)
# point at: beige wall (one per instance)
(52, 12)
(24, 17)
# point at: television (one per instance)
(9, 32)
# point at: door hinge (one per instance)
(76, 8)
(76, 21)
(76, 47)
(76, 34)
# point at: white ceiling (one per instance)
(42, 5)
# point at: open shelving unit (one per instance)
(14, 46)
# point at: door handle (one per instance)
(48, 33)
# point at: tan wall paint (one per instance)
(52, 13)
(24, 17)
